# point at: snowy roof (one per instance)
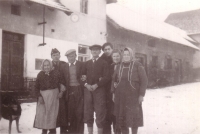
(133, 21)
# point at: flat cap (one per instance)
(54, 50)
(70, 52)
(95, 46)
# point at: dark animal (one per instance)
(11, 110)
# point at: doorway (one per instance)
(12, 62)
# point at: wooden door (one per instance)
(12, 62)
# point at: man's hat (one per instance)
(54, 50)
(95, 46)
(70, 52)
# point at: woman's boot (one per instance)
(44, 131)
(52, 131)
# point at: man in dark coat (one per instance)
(97, 73)
(107, 49)
(63, 68)
(75, 101)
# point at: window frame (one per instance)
(15, 10)
(84, 6)
(85, 56)
(37, 67)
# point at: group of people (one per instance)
(112, 86)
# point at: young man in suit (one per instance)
(63, 69)
(97, 74)
(107, 48)
(75, 101)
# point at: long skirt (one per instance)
(46, 114)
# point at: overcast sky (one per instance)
(160, 9)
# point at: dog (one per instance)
(11, 110)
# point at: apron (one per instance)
(46, 114)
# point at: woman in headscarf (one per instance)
(116, 58)
(130, 86)
(47, 87)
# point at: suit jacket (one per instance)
(79, 71)
(109, 61)
(63, 68)
(96, 73)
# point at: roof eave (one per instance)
(110, 1)
(193, 33)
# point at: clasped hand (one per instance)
(83, 77)
(91, 87)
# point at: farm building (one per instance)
(165, 51)
(190, 22)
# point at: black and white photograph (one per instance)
(99, 66)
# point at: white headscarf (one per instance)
(50, 63)
(131, 53)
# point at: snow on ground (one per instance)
(170, 110)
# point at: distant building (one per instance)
(190, 22)
(165, 51)
(67, 24)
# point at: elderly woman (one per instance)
(47, 86)
(130, 86)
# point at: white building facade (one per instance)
(21, 35)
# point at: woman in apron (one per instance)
(48, 84)
(130, 86)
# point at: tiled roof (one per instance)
(188, 21)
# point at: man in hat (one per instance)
(97, 73)
(75, 101)
(63, 69)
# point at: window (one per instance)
(82, 50)
(168, 63)
(16, 10)
(152, 43)
(84, 6)
(154, 61)
(38, 63)
(83, 53)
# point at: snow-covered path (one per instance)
(171, 110)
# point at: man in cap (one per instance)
(63, 69)
(97, 73)
(75, 101)
(107, 48)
